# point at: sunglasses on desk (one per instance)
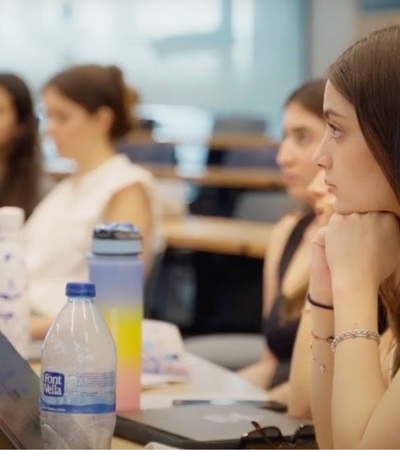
(271, 437)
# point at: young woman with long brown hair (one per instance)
(356, 257)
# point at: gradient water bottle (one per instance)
(115, 267)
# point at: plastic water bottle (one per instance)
(115, 266)
(78, 365)
(14, 306)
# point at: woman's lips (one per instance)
(289, 178)
(331, 187)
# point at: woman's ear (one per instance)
(105, 118)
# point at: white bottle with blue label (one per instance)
(78, 370)
(14, 306)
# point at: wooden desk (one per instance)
(219, 141)
(247, 178)
(217, 235)
(234, 141)
(220, 176)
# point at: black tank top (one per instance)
(280, 335)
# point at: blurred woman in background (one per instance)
(22, 182)
(87, 110)
(299, 404)
(286, 272)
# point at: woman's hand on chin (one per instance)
(362, 250)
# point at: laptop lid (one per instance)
(200, 426)
(19, 397)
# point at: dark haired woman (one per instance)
(287, 265)
(22, 182)
(356, 257)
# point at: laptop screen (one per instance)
(19, 397)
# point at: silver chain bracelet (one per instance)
(367, 334)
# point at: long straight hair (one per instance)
(367, 75)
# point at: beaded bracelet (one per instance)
(321, 366)
(351, 334)
(328, 339)
(317, 304)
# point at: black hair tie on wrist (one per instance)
(318, 305)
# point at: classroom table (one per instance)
(242, 141)
(218, 141)
(221, 176)
(207, 381)
(217, 235)
(217, 176)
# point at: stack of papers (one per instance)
(163, 357)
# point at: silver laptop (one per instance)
(200, 426)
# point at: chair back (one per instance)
(154, 153)
(249, 158)
(242, 124)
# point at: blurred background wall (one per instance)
(223, 55)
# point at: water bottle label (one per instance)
(53, 384)
(81, 393)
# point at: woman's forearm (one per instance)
(259, 373)
(279, 393)
(358, 382)
(322, 375)
(300, 371)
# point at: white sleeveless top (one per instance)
(57, 236)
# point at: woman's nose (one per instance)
(317, 187)
(321, 157)
(285, 154)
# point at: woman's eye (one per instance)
(303, 138)
(335, 132)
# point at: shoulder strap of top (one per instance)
(291, 245)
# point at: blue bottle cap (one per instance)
(80, 290)
(116, 239)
